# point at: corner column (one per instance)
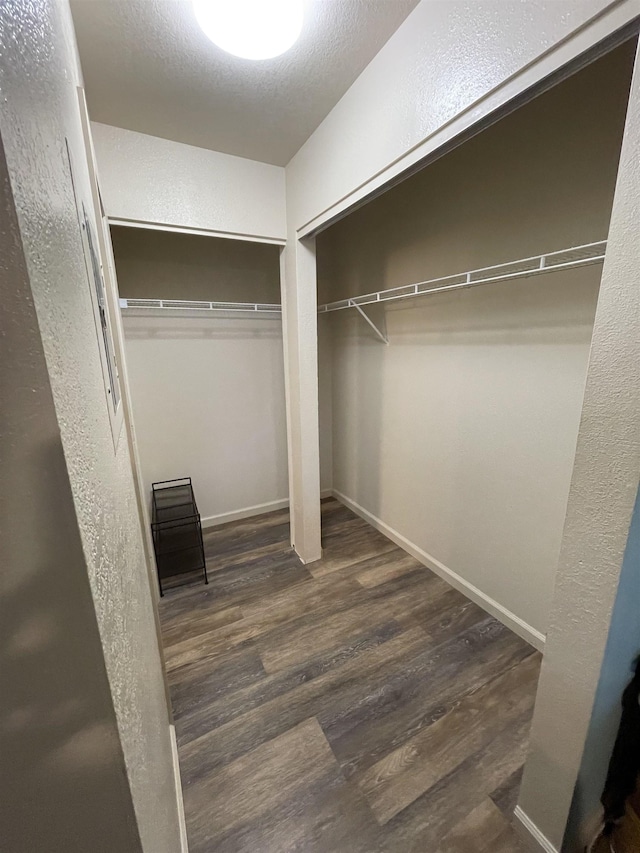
(300, 339)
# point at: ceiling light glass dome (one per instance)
(251, 29)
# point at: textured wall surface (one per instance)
(58, 732)
(447, 66)
(207, 391)
(603, 491)
(39, 109)
(461, 434)
(147, 179)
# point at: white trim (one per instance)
(529, 832)
(616, 15)
(519, 626)
(184, 844)
(246, 512)
(187, 305)
(202, 232)
(258, 509)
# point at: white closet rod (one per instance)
(195, 305)
(576, 256)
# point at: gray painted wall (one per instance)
(90, 704)
(167, 265)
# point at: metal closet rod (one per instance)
(200, 305)
(576, 256)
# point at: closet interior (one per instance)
(454, 321)
(322, 417)
(455, 318)
(203, 333)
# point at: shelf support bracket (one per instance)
(382, 336)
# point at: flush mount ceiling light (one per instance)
(252, 29)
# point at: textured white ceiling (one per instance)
(148, 67)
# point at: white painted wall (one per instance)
(151, 180)
(460, 435)
(208, 402)
(603, 491)
(95, 724)
(207, 391)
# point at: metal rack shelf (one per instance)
(576, 256)
(199, 305)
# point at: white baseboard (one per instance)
(530, 834)
(527, 632)
(249, 511)
(184, 845)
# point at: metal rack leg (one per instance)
(204, 561)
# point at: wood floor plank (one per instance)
(484, 830)
(189, 625)
(405, 774)
(322, 630)
(274, 615)
(362, 729)
(449, 615)
(217, 712)
(272, 718)
(397, 564)
(422, 825)
(247, 789)
(340, 551)
(356, 705)
(199, 684)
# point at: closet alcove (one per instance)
(207, 380)
(457, 437)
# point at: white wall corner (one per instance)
(530, 834)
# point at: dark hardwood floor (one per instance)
(355, 705)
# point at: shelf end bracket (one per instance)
(382, 336)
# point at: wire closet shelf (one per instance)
(257, 308)
(576, 256)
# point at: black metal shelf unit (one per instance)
(176, 530)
